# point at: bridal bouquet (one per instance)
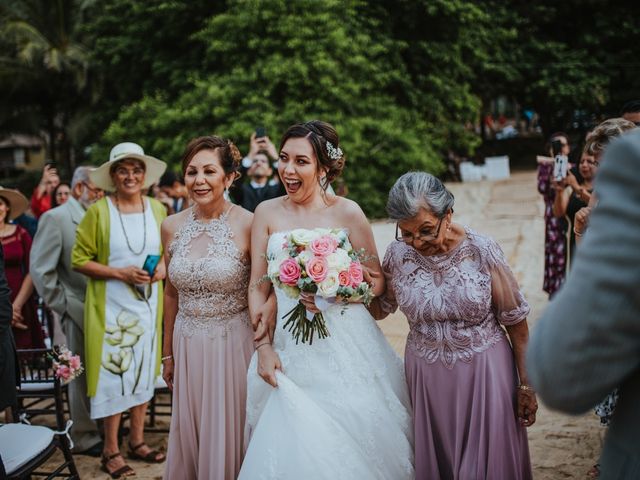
(323, 262)
(66, 365)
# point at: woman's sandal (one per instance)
(125, 470)
(150, 457)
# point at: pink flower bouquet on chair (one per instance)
(66, 365)
(323, 262)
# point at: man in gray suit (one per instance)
(588, 341)
(63, 290)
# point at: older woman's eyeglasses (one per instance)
(424, 235)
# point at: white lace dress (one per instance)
(341, 409)
(212, 345)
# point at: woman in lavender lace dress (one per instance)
(208, 336)
(468, 386)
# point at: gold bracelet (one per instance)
(262, 345)
(526, 388)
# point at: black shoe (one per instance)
(94, 451)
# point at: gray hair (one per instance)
(416, 190)
(80, 175)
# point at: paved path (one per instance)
(511, 212)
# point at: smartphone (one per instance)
(261, 132)
(150, 264)
(560, 167)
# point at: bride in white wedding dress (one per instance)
(338, 408)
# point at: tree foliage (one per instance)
(404, 82)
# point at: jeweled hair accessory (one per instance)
(335, 153)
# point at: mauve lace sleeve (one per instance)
(388, 301)
(509, 304)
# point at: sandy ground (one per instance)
(562, 447)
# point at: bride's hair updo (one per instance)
(319, 133)
(230, 156)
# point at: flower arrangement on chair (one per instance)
(66, 365)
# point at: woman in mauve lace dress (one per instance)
(208, 340)
(468, 386)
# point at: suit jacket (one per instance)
(588, 340)
(249, 197)
(62, 288)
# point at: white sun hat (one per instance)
(154, 168)
(18, 203)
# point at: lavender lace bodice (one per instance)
(211, 277)
(455, 301)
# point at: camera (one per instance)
(261, 132)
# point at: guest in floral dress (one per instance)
(468, 385)
(555, 236)
(208, 339)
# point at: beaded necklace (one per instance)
(144, 226)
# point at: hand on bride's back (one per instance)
(268, 363)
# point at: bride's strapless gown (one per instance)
(212, 345)
(341, 409)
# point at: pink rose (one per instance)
(355, 272)
(290, 272)
(63, 372)
(324, 245)
(344, 278)
(317, 269)
(74, 362)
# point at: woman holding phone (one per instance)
(119, 235)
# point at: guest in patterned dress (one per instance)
(468, 385)
(555, 236)
(123, 303)
(208, 339)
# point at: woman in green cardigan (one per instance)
(123, 307)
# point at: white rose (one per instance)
(329, 286)
(303, 236)
(304, 257)
(339, 260)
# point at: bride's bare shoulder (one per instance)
(267, 207)
(348, 210)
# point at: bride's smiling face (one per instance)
(298, 169)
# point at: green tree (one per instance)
(275, 63)
(154, 50)
(44, 72)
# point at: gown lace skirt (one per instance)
(341, 409)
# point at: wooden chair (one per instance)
(40, 392)
(159, 408)
(25, 448)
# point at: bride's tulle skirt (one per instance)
(341, 409)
